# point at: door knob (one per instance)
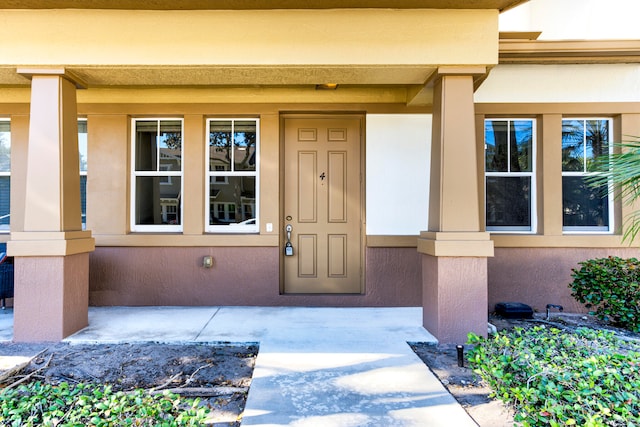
(288, 247)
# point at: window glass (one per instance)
(157, 175)
(244, 146)
(508, 145)
(5, 146)
(596, 142)
(220, 145)
(583, 205)
(572, 145)
(496, 154)
(5, 175)
(584, 208)
(145, 145)
(521, 140)
(509, 163)
(155, 207)
(82, 144)
(170, 145)
(509, 202)
(82, 147)
(232, 175)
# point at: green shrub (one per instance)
(610, 286)
(555, 378)
(39, 404)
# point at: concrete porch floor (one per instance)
(326, 367)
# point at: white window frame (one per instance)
(165, 228)
(533, 228)
(609, 229)
(234, 228)
(169, 181)
(224, 180)
(7, 174)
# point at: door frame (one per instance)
(361, 116)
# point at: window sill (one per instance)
(503, 240)
(599, 240)
(177, 239)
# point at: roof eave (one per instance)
(515, 51)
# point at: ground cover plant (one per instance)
(610, 287)
(553, 377)
(136, 384)
(40, 404)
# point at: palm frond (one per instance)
(631, 227)
(620, 173)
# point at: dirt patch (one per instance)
(467, 387)
(464, 385)
(220, 375)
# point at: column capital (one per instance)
(461, 70)
(30, 73)
(455, 244)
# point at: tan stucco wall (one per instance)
(107, 159)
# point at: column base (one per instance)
(454, 297)
(454, 284)
(51, 297)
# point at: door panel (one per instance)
(307, 256)
(323, 199)
(337, 186)
(307, 187)
(337, 255)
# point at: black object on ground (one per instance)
(514, 310)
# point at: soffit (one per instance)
(230, 76)
(258, 4)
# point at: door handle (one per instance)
(288, 247)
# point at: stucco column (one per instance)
(52, 251)
(455, 250)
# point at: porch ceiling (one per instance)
(198, 76)
(258, 4)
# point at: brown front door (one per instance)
(322, 205)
